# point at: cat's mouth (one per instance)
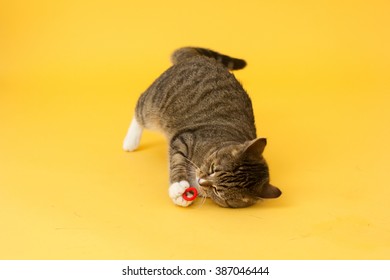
(208, 187)
(205, 186)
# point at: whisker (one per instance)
(191, 162)
(202, 192)
(202, 202)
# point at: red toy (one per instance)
(190, 190)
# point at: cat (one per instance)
(208, 120)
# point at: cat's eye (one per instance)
(212, 168)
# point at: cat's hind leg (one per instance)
(133, 136)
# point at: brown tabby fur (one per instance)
(208, 120)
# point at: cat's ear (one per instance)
(255, 148)
(269, 191)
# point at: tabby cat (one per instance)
(208, 120)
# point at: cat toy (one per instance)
(190, 194)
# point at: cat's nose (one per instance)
(204, 183)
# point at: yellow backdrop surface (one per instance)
(71, 72)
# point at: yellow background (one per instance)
(71, 72)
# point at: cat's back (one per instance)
(198, 76)
(198, 90)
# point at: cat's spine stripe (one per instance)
(188, 52)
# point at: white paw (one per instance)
(133, 136)
(176, 191)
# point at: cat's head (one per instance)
(237, 175)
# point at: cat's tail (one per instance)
(188, 52)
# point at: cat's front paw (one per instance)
(176, 191)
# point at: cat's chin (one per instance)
(236, 204)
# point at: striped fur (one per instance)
(185, 53)
(208, 120)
